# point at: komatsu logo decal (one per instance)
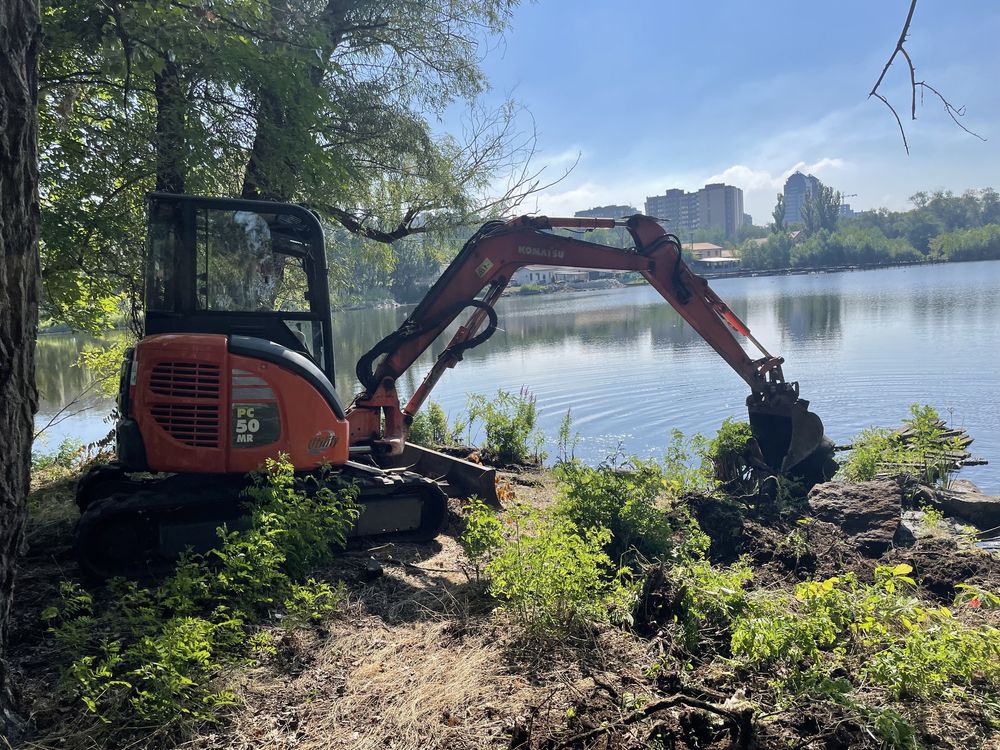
(540, 252)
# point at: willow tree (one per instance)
(330, 103)
(18, 298)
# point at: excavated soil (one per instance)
(419, 659)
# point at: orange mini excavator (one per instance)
(236, 366)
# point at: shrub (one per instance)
(686, 468)
(879, 450)
(630, 500)
(483, 534)
(554, 578)
(430, 428)
(726, 453)
(153, 656)
(67, 456)
(510, 422)
(878, 633)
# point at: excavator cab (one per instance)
(239, 268)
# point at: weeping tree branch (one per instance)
(900, 49)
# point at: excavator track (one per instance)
(138, 527)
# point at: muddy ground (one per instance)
(419, 658)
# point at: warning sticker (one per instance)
(484, 268)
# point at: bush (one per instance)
(553, 578)
(154, 656)
(510, 422)
(430, 428)
(630, 500)
(726, 453)
(483, 534)
(878, 633)
(878, 450)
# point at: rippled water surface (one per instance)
(863, 346)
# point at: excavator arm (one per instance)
(789, 435)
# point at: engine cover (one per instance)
(201, 408)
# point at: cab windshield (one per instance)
(243, 262)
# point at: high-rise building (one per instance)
(747, 220)
(677, 209)
(715, 206)
(797, 188)
(607, 212)
(720, 207)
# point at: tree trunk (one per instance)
(170, 137)
(19, 272)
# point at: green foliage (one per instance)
(879, 450)
(568, 440)
(686, 468)
(104, 362)
(726, 452)
(631, 500)
(66, 457)
(311, 602)
(873, 449)
(554, 578)
(821, 210)
(329, 105)
(711, 598)
(510, 423)
(430, 428)
(155, 656)
(779, 215)
(877, 633)
(941, 226)
(482, 535)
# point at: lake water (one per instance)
(863, 346)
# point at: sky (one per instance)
(643, 96)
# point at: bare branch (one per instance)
(900, 49)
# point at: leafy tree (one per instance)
(821, 210)
(323, 102)
(779, 214)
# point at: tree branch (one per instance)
(740, 721)
(900, 49)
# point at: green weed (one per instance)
(430, 428)
(483, 534)
(554, 578)
(631, 499)
(510, 423)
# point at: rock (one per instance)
(373, 569)
(867, 512)
(963, 500)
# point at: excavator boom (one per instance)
(790, 436)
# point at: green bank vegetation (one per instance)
(941, 226)
(618, 548)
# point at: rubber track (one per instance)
(141, 511)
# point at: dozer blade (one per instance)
(792, 440)
(462, 478)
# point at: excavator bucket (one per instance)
(792, 440)
(458, 477)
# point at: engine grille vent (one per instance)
(185, 380)
(192, 424)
